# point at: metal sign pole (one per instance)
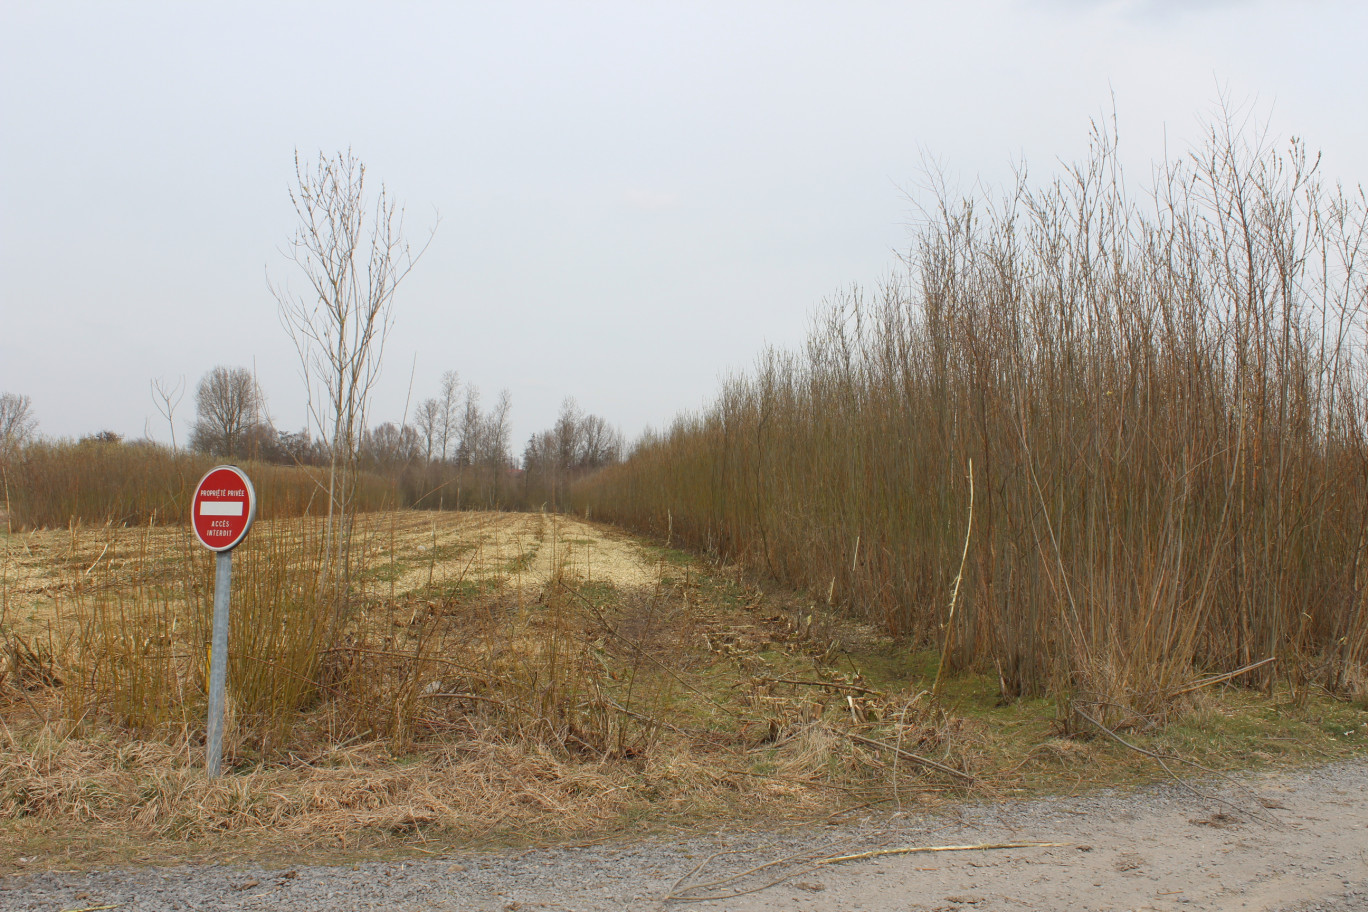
(218, 663)
(221, 512)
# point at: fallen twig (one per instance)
(797, 857)
(915, 758)
(813, 864)
(1160, 759)
(97, 560)
(651, 720)
(912, 850)
(1218, 679)
(836, 684)
(690, 873)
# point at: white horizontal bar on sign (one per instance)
(221, 507)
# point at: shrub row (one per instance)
(1091, 443)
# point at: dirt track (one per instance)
(1290, 841)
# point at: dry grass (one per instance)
(499, 676)
(554, 681)
(473, 789)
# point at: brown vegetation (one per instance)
(530, 667)
(1110, 457)
(499, 677)
(1159, 403)
(53, 485)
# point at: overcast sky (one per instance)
(634, 198)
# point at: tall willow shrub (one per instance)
(1161, 397)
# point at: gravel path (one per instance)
(1293, 842)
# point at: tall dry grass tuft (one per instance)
(1162, 397)
(133, 630)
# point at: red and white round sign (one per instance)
(223, 508)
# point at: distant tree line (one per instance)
(577, 445)
(454, 453)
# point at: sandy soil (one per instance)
(1286, 841)
(1162, 849)
(595, 554)
(523, 549)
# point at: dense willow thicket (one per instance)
(1155, 402)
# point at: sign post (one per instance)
(221, 512)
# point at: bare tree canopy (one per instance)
(576, 445)
(228, 406)
(426, 420)
(448, 402)
(497, 431)
(388, 446)
(469, 428)
(17, 424)
(441, 421)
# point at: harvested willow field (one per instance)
(403, 552)
(504, 678)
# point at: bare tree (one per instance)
(448, 414)
(298, 448)
(495, 436)
(17, 423)
(488, 453)
(539, 464)
(600, 443)
(577, 444)
(166, 397)
(228, 410)
(567, 434)
(353, 256)
(427, 421)
(389, 445)
(469, 428)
